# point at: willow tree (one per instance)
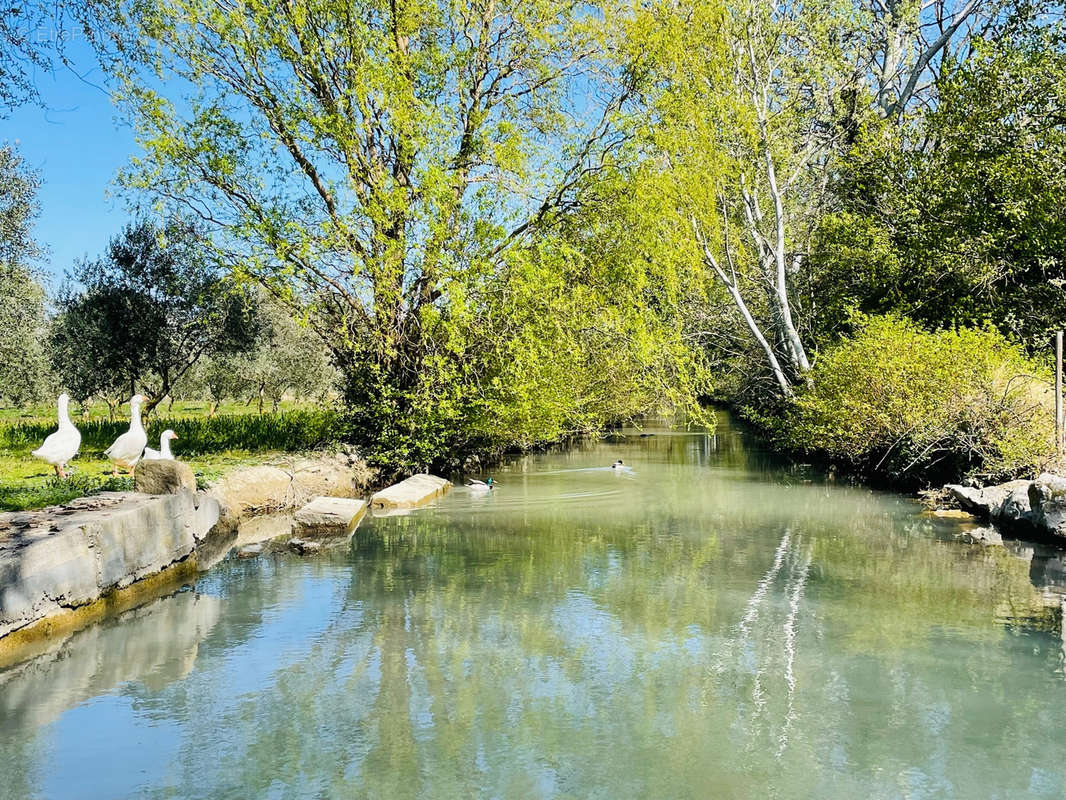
(386, 161)
(752, 102)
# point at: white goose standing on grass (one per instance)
(61, 446)
(127, 448)
(163, 453)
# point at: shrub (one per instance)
(899, 402)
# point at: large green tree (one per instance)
(749, 106)
(396, 165)
(969, 227)
(24, 371)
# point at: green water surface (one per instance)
(705, 623)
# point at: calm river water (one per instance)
(702, 624)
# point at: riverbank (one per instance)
(1022, 507)
(212, 446)
(66, 566)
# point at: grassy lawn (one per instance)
(182, 409)
(26, 483)
(210, 445)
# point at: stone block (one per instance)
(328, 516)
(409, 493)
(163, 476)
(142, 537)
(42, 572)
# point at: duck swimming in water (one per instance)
(618, 464)
(484, 486)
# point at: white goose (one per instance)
(126, 450)
(163, 453)
(61, 446)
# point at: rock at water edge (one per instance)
(987, 502)
(413, 491)
(1047, 497)
(303, 547)
(328, 516)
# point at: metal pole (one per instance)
(1058, 393)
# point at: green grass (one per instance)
(210, 445)
(98, 411)
(25, 495)
(287, 431)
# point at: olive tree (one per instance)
(144, 314)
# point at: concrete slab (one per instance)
(328, 516)
(69, 556)
(414, 491)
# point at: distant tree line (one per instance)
(150, 315)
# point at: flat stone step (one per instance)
(328, 517)
(409, 493)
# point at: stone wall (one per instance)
(65, 566)
(70, 556)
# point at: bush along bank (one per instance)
(904, 407)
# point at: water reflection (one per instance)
(714, 625)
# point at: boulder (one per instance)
(988, 502)
(328, 516)
(163, 476)
(1016, 510)
(409, 493)
(1047, 498)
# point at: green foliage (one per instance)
(149, 310)
(289, 431)
(24, 370)
(57, 491)
(896, 400)
(968, 228)
(402, 168)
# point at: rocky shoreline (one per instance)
(64, 566)
(1024, 507)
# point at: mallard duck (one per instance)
(61, 446)
(618, 465)
(484, 486)
(163, 453)
(126, 450)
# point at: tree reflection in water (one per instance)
(711, 625)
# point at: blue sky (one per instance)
(77, 146)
